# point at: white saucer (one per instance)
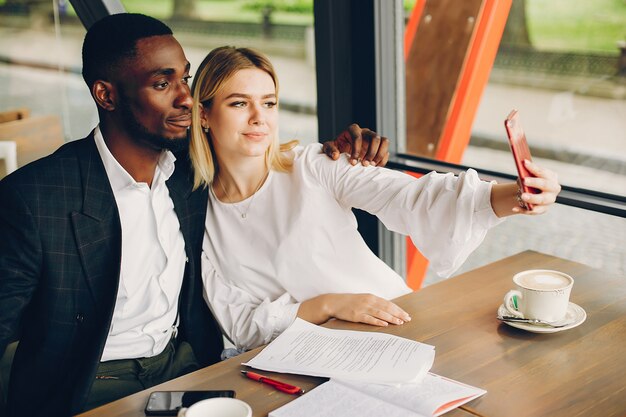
(575, 315)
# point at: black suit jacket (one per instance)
(60, 251)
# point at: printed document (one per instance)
(381, 358)
(433, 396)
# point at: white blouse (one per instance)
(153, 261)
(299, 238)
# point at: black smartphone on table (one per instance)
(168, 403)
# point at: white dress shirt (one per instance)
(299, 238)
(153, 261)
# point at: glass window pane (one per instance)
(562, 64)
(583, 236)
(40, 55)
(40, 62)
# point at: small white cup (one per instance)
(541, 294)
(222, 407)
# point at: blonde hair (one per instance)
(216, 69)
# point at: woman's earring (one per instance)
(206, 129)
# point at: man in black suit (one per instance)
(70, 254)
(100, 242)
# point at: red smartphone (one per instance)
(519, 148)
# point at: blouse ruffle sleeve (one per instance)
(246, 320)
(446, 216)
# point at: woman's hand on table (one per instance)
(358, 308)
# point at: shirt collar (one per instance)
(118, 176)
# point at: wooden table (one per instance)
(577, 372)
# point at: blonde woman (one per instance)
(280, 238)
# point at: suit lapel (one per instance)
(180, 188)
(97, 229)
(191, 223)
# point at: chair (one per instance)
(8, 157)
(14, 114)
(34, 136)
(5, 373)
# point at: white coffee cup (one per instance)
(222, 407)
(541, 294)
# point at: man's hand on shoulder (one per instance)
(362, 144)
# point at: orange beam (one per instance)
(411, 26)
(473, 80)
(416, 264)
(474, 77)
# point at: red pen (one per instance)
(280, 386)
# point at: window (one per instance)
(562, 65)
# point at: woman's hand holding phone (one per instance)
(543, 180)
(536, 188)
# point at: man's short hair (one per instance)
(114, 38)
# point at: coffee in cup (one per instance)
(541, 294)
(222, 407)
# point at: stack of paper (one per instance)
(307, 349)
(433, 396)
